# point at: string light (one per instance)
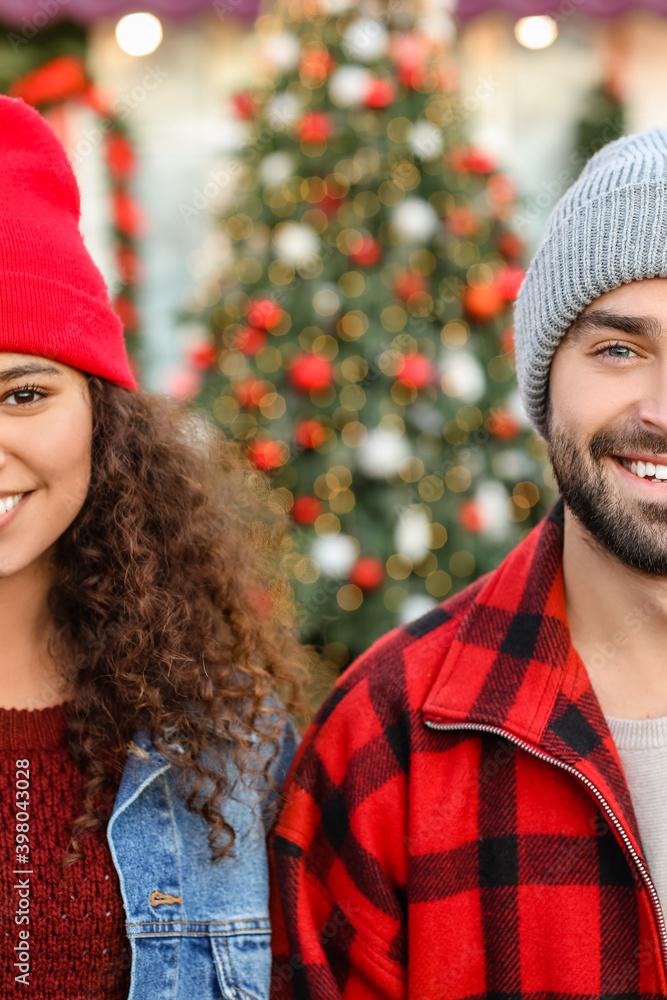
(139, 34)
(536, 32)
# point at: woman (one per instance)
(143, 645)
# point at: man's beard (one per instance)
(634, 529)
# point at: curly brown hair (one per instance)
(168, 607)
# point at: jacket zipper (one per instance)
(483, 727)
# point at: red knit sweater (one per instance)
(77, 944)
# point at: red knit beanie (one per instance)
(53, 298)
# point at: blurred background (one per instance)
(313, 219)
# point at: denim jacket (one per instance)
(197, 930)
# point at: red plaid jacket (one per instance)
(457, 822)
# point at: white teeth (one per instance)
(9, 502)
(646, 470)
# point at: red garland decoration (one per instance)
(56, 80)
(65, 78)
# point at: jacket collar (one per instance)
(512, 665)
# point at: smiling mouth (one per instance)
(649, 471)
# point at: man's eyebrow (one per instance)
(31, 368)
(640, 326)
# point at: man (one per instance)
(480, 807)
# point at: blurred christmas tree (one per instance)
(360, 340)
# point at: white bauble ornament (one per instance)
(381, 452)
(415, 221)
(348, 85)
(335, 554)
(282, 111)
(462, 376)
(365, 39)
(491, 497)
(282, 50)
(412, 534)
(426, 141)
(295, 242)
(415, 606)
(277, 167)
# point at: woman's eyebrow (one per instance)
(20, 371)
(642, 326)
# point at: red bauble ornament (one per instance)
(244, 104)
(471, 516)
(483, 303)
(380, 93)
(309, 434)
(266, 454)
(467, 158)
(501, 187)
(412, 75)
(309, 372)
(264, 313)
(416, 371)
(503, 424)
(367, 251)
(511, 246)
(316, 64)
(508, 281)
(202, 355)
(507, 340)
(463, 221)
(250, 340)
(306, 509)
(407, 283)
(367, 573)
(314, 127)
(249, 392)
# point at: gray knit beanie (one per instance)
(609, 228)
